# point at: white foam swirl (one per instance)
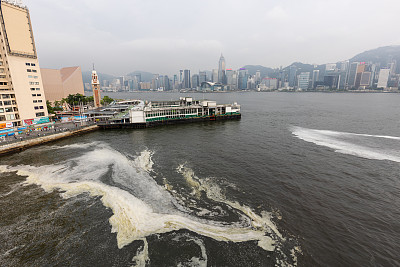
(335, 140)
(143, 209)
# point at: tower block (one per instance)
(96, 89)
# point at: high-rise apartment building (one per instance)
(22, 99)
(383, 78)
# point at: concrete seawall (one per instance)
(22, 145)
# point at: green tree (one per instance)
(49, 107)
(53, 108)
(106, 100)
(77, 99)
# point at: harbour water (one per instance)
(306, 179)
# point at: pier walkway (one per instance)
(18, 144)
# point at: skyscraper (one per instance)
(392, 66)
(22, 99)
(383, 78)
(304, 80)
(202, 77)
(221, 70)
(214, 77)
(186, 79)
(351, 82)
(243, 76)
(292, 76)
(166, 83)
(360, 69)
(365, 80)
(315, 78)
(195, 81)
(230, 81)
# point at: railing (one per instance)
(32, 133)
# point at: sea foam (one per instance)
(336, 141)
(144, 208)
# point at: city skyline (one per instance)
(378, 74)
(164, 37)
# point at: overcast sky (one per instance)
(163, 36)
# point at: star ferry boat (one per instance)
(143, 114)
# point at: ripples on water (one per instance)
(302, 178)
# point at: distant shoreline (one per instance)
(252, 91)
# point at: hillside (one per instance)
(145, 76)
(265, 71)
(382, 55)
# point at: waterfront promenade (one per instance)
(24, 141)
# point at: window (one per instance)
(35, 77)
(40, 101)
(36, 83)
(37, 89)
(41, 107)
(7, 103)
(1, 103)
(33, 64)
(31, 83)
(10, 116)
(2, 118)
(34, 70)
(9, 109)
(1, 110)
(28, 64)
(33, 94)
(32, 89)
(39, 95)
(30, 76)
(40, 114)
(3, 83)
(29, 70)
(34, 101)
(36, 107)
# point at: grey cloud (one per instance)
(165, 36)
